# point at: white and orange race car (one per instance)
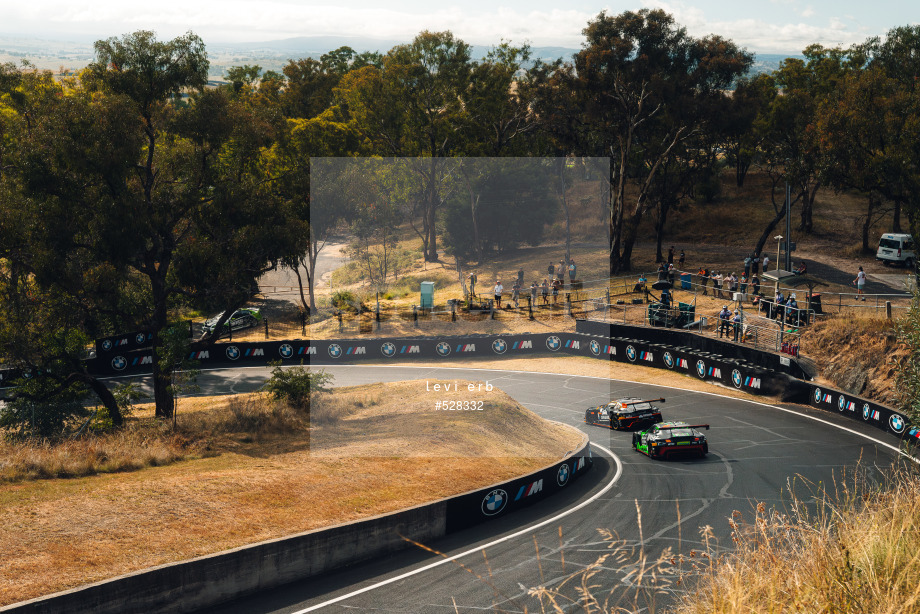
(625, 414)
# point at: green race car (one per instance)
(667, 439)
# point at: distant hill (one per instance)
(270, 55)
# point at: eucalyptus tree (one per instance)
(145, 175)
(414, 105)
(642, 81)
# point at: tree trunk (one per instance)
(106, 398)
(896, 216)
(664, 206)
(808, 205)
(868, 224)
(565, 208)
(781, 213)
(741, 169)
(162, 374)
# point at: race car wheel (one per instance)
(705, 449)
(635, 441)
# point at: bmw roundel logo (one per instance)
(553, 343)
(140, 338)
(595, 347)
(119, 363)
(631, 353)
(866, 411)
(841, 403)
(494, 502)
(388, 349)
(443, 348)
(897, 423)
(107, 345)
(701, 368)
(736, 378)
(562, 476)
(286, 350)
(668, 360)
(817, 395)
(232, 352)
(498, 346)
(335, 350)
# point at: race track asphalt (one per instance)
(631, 509)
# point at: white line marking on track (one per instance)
(477, 549)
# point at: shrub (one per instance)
(344, 300)
(40, 411)
(295, 384)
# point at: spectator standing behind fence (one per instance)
(671, 255)
(516, 294)
(499, 288)
(533, 294)
(860, 282)
(520, 279)
(640, 285)
(747, 266)
(671, 274)
(703, 274)
(744, 283)
(734, 282)
(551, 269)
(736, 325)
(766, 263)
(717, 284)
(556, 285)
(560, 271)
(680, 260)
(792, 309)
(755, 264)
(724, 317)
(545, 291)
(572, 270)
(755, 283)
(472, 285)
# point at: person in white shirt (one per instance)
(860, 281)
(766, 263)
(498, 294)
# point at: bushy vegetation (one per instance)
(295, 385)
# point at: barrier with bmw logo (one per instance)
(499, 499)
(729, 371)
(859, 409)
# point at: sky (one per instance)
(765, 26)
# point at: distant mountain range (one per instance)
(267, 54)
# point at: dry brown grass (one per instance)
(264, 483)
(859, 551)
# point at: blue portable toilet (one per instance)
(685, 283)
(427, 298)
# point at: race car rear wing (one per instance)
(697, 426)
(661, 400)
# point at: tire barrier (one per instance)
(196, 584)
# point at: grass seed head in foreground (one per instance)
(857, 551)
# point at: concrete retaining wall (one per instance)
(191, 585)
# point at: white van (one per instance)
(896, 248)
